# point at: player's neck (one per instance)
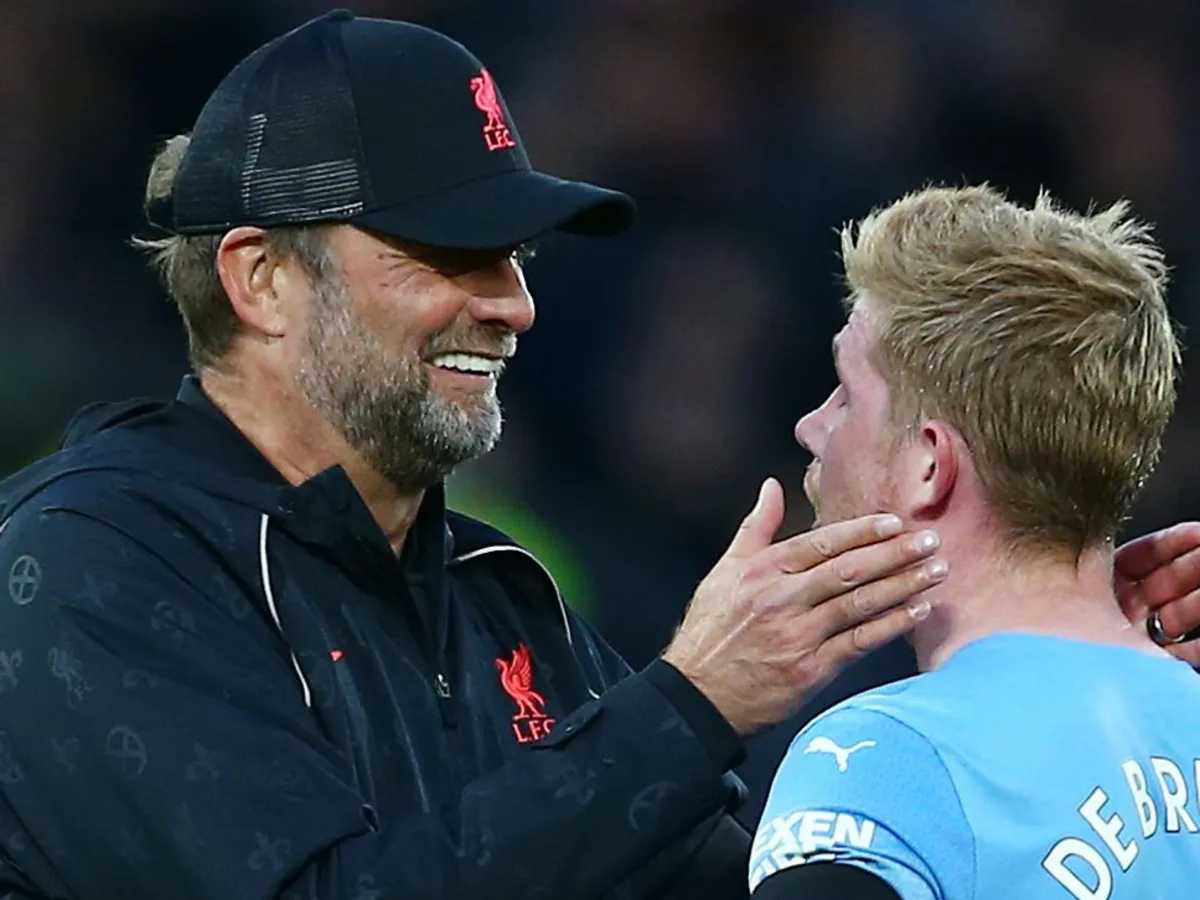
(999, 590)
(294, 439)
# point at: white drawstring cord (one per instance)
(266, 580)
(562, 605)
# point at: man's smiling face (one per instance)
(404, 347)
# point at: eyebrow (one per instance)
(837, 363)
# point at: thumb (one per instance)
(1130, 598)
(758, 528)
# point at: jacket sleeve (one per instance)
(712, 864)
(151, 746)
(825, 881)
(709, 860)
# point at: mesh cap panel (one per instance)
(281, 131)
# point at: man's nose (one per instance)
(808, 432)
(500, 296)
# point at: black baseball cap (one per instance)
(386, 125)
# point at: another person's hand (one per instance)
(772, 623)
(1159, 574)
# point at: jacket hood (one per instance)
(190, 441)
(140, 439)
(97, 417)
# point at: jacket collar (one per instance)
(192, 441)
(318, 509)
(212, 435)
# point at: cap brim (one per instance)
(503, 211)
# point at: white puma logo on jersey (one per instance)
(841, 754)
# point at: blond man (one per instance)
(1006, 374)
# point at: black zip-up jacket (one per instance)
(217, 685)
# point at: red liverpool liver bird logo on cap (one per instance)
(530, 721)
(496, 133)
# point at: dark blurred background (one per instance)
(668, 366)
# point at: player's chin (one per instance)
(815, 502)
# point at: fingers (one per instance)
(1180, 617)
(869, 602)
(854, 577)
(1170, 581)
(804, 551)
(761, 523)
(1189, 652)
(846, 646)
(1142, 556)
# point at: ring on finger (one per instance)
(1154, 628)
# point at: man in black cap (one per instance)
(250, 654)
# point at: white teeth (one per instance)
(468, 362)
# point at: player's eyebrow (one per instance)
(837, 361)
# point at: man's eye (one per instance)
(453, 263)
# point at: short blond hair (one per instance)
(1041, 334)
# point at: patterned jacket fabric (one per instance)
(214, 684)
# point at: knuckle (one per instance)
(759, 604)
(1186, 531)
(906, 551)
(861, 602)
(806, 670)
(860, 639)
(848, 606)
(822, 545)
(750, 572)
(847, 572)
(918, 577)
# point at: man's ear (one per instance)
(253, 276)
(930, 468)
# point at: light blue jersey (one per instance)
(1025, 767)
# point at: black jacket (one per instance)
(216, 685)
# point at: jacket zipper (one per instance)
(442, 686)
(445, 699)
(438, 630)
(435, 651)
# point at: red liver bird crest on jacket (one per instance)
(516, 677)
(496, 133)
(530, 721)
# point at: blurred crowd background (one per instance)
(668, 366)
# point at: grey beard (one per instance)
(385, 408)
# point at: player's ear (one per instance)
(930, 468)
(256, 280)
